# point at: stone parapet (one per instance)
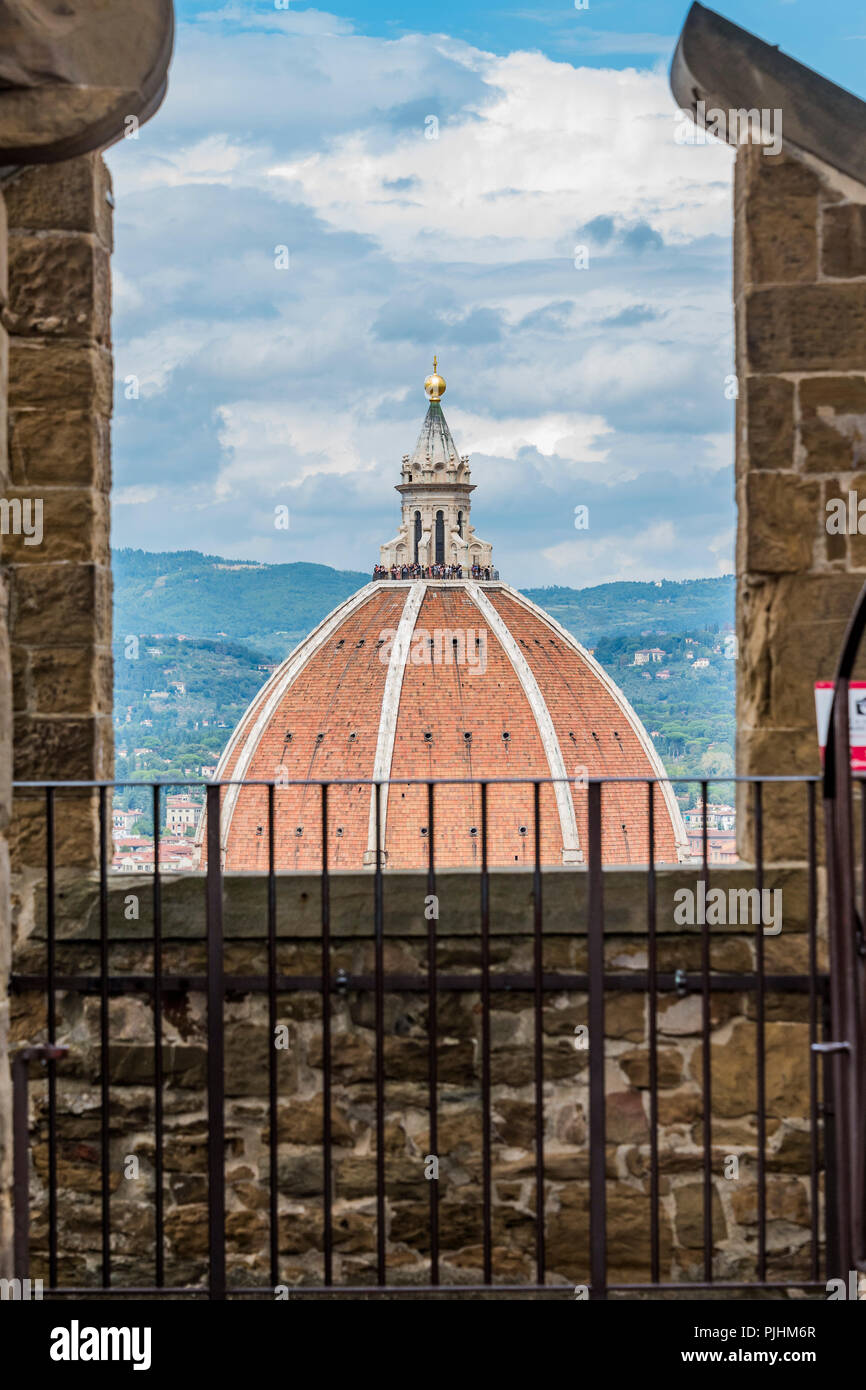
(60, 397)
(5, 789)
(800, 303)
(248, 1043)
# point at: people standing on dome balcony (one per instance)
(417, 571)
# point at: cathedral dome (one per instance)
(379, 691)
(432, 677)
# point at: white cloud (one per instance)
(572, 436)
(133, 496)
(552, 148)
(606, 384)
(650, 553)
(153, 358)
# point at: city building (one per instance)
(181, 814)
(123, 821)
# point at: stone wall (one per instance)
(55, 584)
(800, 300)
(5, 796)
(60, 398)
(131, 1066)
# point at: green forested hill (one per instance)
(183, 592)
(633, 608)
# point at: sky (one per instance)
(329, 196)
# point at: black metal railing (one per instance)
(806, 1267)
(847, 945)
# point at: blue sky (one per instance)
(599, 385)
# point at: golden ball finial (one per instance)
(434, 386)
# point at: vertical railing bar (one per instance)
(829, 1109)
(104, 1062)
(51, 948)
(652, 966)
(215, 1050)
(705, 1034)
(432, 1037)
(328, 1233)
(380, 1042)
(760, 1036)
(487, 1203)
(273, 1090)
(538, 969)
(862, 852)
(597, 1120)
(813, 1031)
(158, 1118)
(20, 1069)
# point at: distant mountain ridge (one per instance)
(274, 606)
(185, 592)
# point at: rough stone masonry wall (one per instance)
(55, 596)
(800, 297)
(60, 398)
(5, 800)
(131, 1070)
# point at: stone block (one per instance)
(806, 328)
(786, 1200)
(186, 1229)
(71, 680)
(689, 1217)
(833, 423)
(770, 421)
(49, 748)
(64, 524)
(629, 1235)
(810, 598)
(778, 201)
(301, 1175)
(801, 653)
(843, 241)
(626, 1121)
(733, 1068)
(636, 1066)
(780, 517)
(60, 376)
(59, 287)
(793, 1153)
(61, 605)
(133, 1065)
(76, 842)
(57, 447)
(71, 195)
(300, 1122)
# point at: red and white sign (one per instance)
(856, 719)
